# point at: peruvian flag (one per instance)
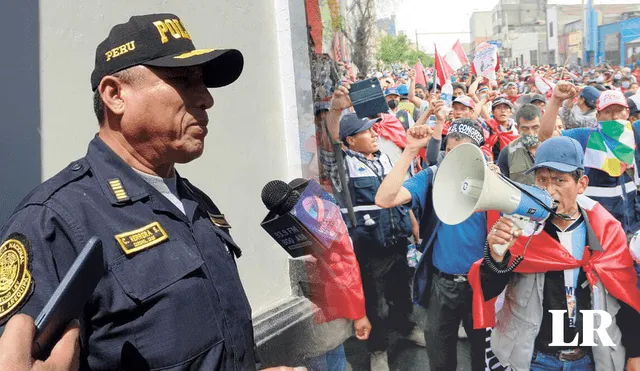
(421, 77)
(456, 57)
(443, 70)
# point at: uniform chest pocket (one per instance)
(365, 190)
(150, 271)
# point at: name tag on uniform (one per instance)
(141, 238)
(219, 220)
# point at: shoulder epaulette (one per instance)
(44, 191)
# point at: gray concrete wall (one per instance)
(20, 155)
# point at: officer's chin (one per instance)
(188, 156)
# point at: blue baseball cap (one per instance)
(590, 95)
(322, 106)
(563, 154)
(403, 90)
(391, 91)
(351, 124)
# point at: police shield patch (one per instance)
(16, 283)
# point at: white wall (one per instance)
(552, 17)
(522, 44)
(481, 24)
(246, 145)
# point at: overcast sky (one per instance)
(448, 16)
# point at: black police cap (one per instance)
(161, 40)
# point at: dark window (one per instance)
(550, 29)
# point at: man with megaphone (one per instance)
(440, 280)
(556, 274)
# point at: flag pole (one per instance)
(435, 70)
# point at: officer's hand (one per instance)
(501, 234)
(341, 100)
(362, 327)
(17, 340)
(564, 90)
(418, 137)
(633, 364)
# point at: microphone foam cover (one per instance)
(275, 193)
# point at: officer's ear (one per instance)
(110, 89)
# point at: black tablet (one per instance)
(367, 98)
(69, 299)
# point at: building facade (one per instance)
(514, 21)
(481, 26)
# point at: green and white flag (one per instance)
(610, 147)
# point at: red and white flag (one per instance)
(456, 57)
(421, 76)
(443, 70)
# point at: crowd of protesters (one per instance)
(390, 163)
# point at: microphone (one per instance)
(302, 217)
(299, 184)
(305, 220)
(279, 196)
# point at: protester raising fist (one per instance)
(565, 90)
(418, 137)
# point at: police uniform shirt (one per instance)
(170, 297)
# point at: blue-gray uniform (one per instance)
(170, 298)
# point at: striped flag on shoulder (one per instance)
(611, 147)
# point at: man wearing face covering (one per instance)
(518, 157)
(392, 97)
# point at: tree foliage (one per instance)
(398, 49)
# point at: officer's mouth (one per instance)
(202, 126)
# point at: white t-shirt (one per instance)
(168, 187)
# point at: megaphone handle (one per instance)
(518, 224)
(516, 261)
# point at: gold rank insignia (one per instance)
(16, 283)
(219, 220)
(118, 190)
(142, 238)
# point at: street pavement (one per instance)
(403, 355)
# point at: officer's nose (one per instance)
(204, 98)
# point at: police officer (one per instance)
(171, 297)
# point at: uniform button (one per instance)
(76, 167)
